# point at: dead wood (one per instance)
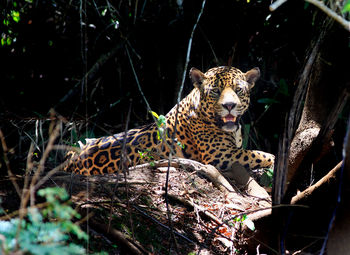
(214, 200)
(191, 204)
(142, 175)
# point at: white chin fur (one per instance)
(230, 127)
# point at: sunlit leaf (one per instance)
(161, 120)
(346, 7)
(154, 114)
(8, 41)
(15, 16)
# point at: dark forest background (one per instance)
(79, 60)
(55, 43)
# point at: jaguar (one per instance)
(204, 126)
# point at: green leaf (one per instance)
(8, 41)
(161, 120)
(267, 178)
(346, 7)
(15, 16)
(283, 87)
(6, 22)
(269, 172)
(154, 114)
(268, 101)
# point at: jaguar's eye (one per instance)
(239, 91)
(242, 88)
(215, 91)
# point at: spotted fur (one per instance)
(207, 129)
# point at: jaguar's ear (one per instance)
(197, 77)
(252, 76)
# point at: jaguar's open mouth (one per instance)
(229, 122)
(229, 119)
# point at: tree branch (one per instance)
(331, 13)
(310, 190)
(345, 23)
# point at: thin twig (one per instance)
(189, 47)
(137, 81)
(324, 180)
(195, 206)
(89, 75)
(7, 163)
(118, 237)
(247, 213)
(23, 211)
(162, 225)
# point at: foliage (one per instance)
(9, 19)
(267, 178)
(281, 91)
(161, 133)
(146, 155)
(244, 220)
(38, 233)
(161, 124)
(346, 7)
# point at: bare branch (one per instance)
(7, 162)
(345, 23)
(309, 191)
(276, 4)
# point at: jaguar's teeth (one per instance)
(229, 119)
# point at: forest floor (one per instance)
(132, 214)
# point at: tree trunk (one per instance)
(339, 237)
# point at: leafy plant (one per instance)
(346, 7)
(267, 177)
(10, 18)
(44, 231)
(161, 133)
(146, 155)
(244, 220)
(161, 124)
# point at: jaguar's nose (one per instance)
(229, 106)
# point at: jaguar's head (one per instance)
(224, 94)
